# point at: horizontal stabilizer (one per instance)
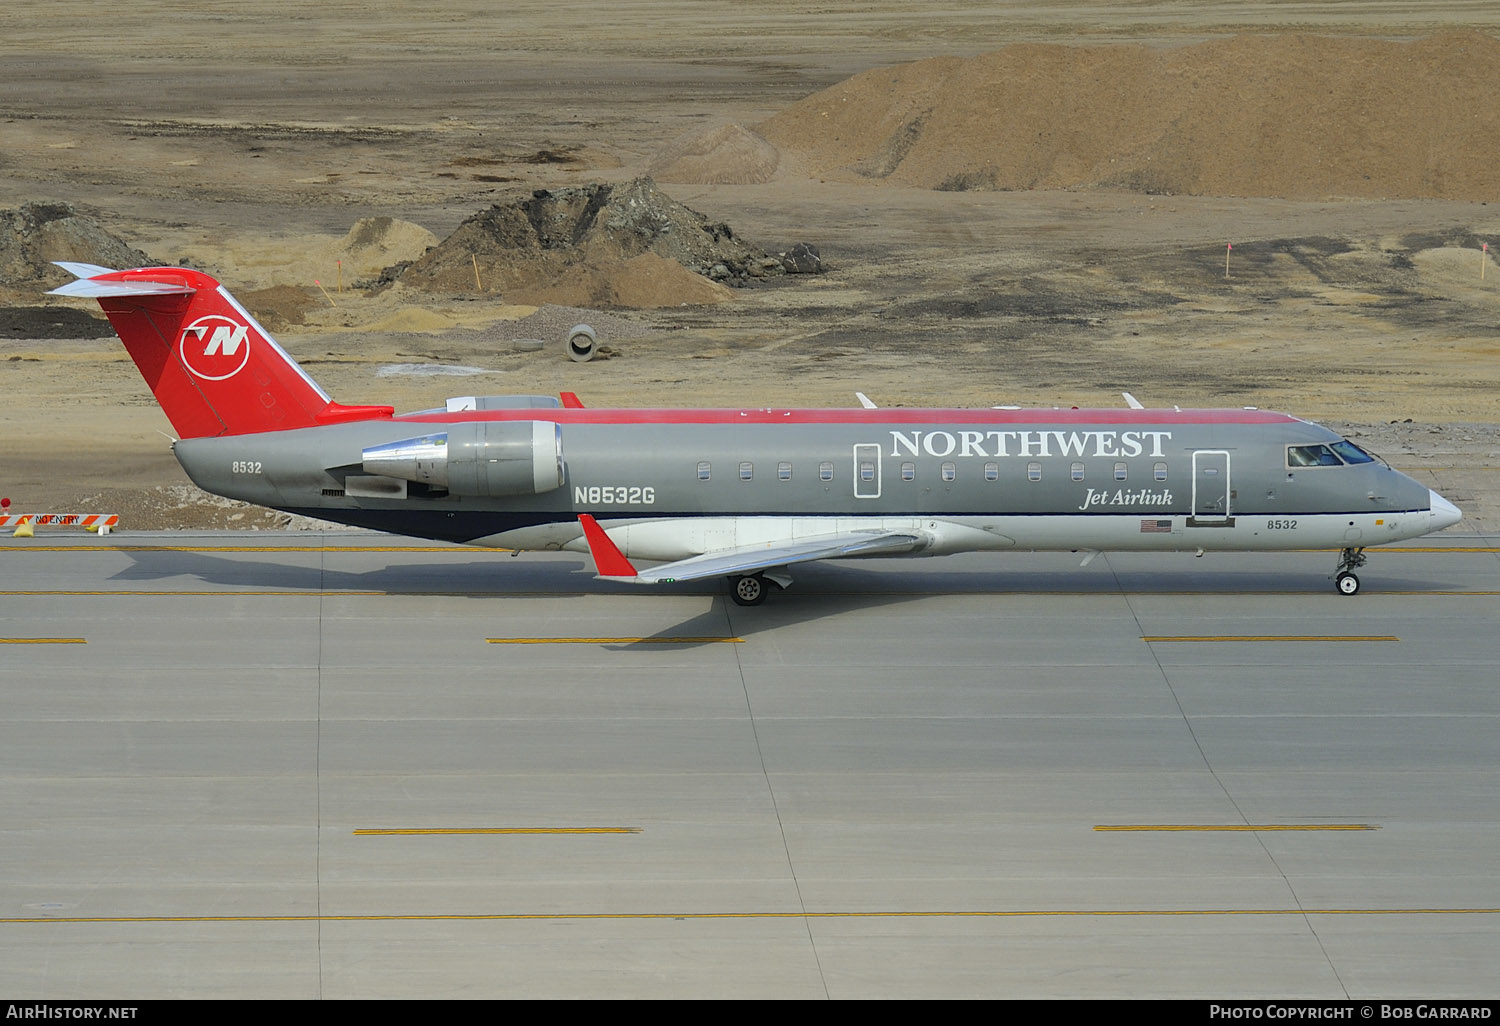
(80, 270)
(88, 288)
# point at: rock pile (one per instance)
(32, 237)
(627, 245)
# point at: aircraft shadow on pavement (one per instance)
(485, 574)
(819, 590)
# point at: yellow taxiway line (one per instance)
(1229, 827)
(404, 831)
(615, 641)
(1153, 638)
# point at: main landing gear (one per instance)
(752, 589)
(749, 590)
(1344, 579)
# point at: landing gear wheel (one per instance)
(748, 591)
(1344, 580)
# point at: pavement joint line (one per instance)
(474, 550)
(431, 550)
(137, 592)
(371, 593)
(625, 916)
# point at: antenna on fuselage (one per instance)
(1132, 401)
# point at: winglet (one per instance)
(570, 400)
(609, 561)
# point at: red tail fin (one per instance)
(213, 369)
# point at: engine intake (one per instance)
(520, 457)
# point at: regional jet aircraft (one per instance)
(742, 494)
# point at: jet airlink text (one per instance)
(1121, 497)
(999, 444)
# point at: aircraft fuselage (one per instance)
(966, 479)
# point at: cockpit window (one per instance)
(1311, 456)
(1351, 452)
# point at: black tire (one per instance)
(749, 590)
(1346, 583)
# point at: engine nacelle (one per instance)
(518, 457)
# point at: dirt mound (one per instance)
(590, 246)
(1292, 116)
(281, 306)
(727, 155)
(375, 243)
(51, 322)
(32, 237)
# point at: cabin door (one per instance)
(1211, 492)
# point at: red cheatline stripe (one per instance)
(946, 418)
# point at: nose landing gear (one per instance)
(1344, 579)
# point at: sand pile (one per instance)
(375, 243)
(262, 262)
(726, 155)
(1288, 115)
(626, 245)
(39, 233)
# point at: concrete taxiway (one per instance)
(344, 765)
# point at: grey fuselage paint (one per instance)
(1055, 479)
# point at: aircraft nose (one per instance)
(1444, 513)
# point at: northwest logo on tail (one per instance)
(215, 347)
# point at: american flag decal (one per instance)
(1156, 527)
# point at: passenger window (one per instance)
(950, 471)
(747, 470)
(908, 471)
(866, 470)
(784, 471)
(992, 471)
(703, 471)
(1078, 472)
(1119, 471)
(1161, 471)
(1033, 471)
(825, 471)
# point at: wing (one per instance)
(745, 559)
